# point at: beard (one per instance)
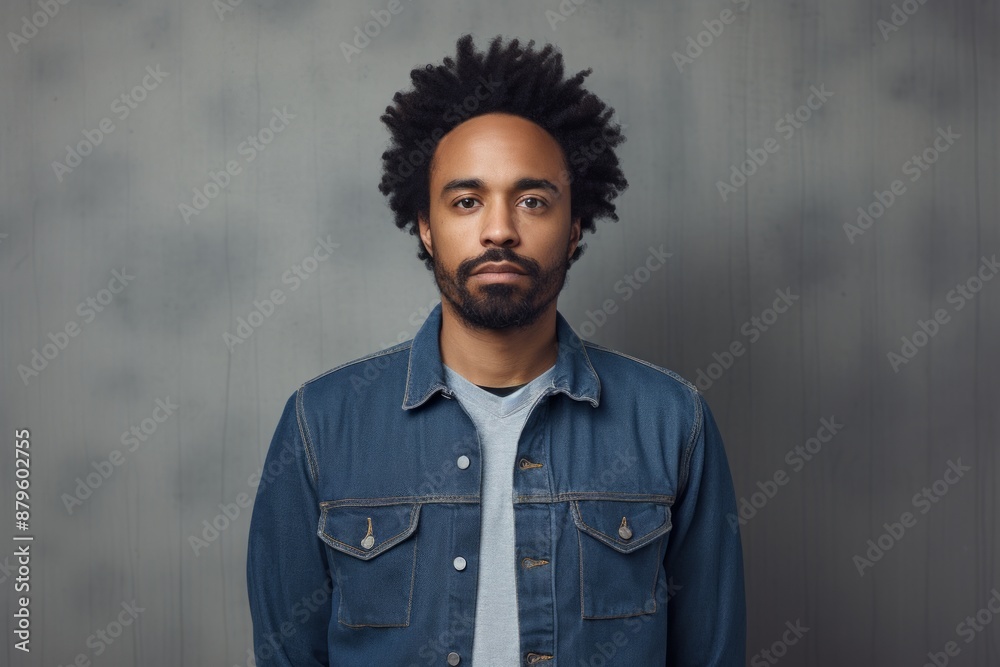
(497, 305)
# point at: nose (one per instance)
(499, 226)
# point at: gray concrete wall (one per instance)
(64, 232)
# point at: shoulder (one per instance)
(357, 377)
(648, 385)
(613, 361)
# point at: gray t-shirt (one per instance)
(499, 420)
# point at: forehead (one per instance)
(497, 146)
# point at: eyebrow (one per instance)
(519, 186)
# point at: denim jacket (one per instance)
(370, 492)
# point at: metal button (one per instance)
(453, 658)
(463, 462)
(624, 531)
(368, 541)
(459, 563)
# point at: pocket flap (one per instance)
(603, 520)
(345, 528)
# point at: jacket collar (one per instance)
(574, 375)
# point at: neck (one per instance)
(498, 358)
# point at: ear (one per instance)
(425, 233)
(575, 232)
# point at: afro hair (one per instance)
(511, 79)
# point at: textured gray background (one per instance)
(162, 337)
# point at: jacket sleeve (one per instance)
(706, 617)
(288, 582)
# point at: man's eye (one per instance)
(538, 202)
(471, 201)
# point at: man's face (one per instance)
(497, 195)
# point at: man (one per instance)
(495, 491)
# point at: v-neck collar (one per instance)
(501, 406)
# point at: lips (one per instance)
(494, 267)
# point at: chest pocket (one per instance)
(621, 553)
(373, 553)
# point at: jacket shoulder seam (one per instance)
(666, 371)
(696, 429)
(305, 436)
(389, 350)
